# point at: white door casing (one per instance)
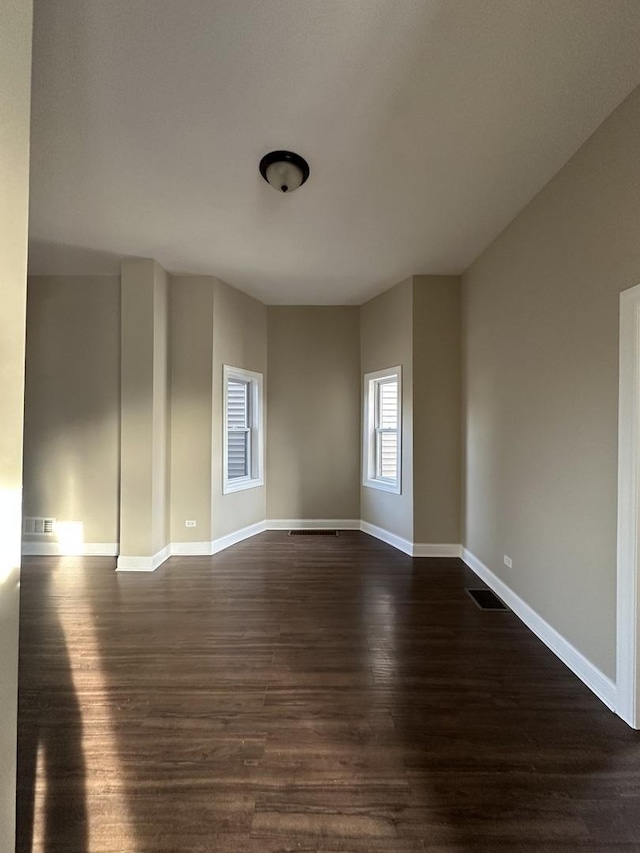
(627, 676)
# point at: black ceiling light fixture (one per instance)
(284, 170)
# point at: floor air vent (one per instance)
(486, 599)
(313, 533)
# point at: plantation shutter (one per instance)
(238, 430)
(387, 429)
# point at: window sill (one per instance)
(240, 485)
(382, 486)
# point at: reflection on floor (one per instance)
(304, 694)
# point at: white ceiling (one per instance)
(428, 124)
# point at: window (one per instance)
(243, 441)
(382, 445)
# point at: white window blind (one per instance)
(238, 427)
(387, 429)
(243, 430)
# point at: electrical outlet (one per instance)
(508, 561)
(190, 523)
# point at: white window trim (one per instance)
(368, 441)
(256, 440)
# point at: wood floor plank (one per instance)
(309, 694)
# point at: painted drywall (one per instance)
(191, 333)
(437, 402)
(15, 99)
(386, 340)
(541, 377)
(239, 340)
(144, 409)
(313, 454)
(161, 447)
(72, 404)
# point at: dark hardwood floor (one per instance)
(304, 694)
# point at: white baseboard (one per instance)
(143, 564)
(206, 549)
(237, 536)
(31, 548)
(603, 687)
(386, 536)
(313, 524)
(427, 549)
(412, 549)
(188, 549)
(404, 545)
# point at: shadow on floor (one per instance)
(51, 799)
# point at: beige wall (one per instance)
(168, 459)
(437, 435)
(313, 456)
(386, 340)
(15, 91)
(161, 414)
(72, 403)
(239, 340)
(144, 409)
(541, 363)
(191, 409)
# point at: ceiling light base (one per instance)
(285, 171)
